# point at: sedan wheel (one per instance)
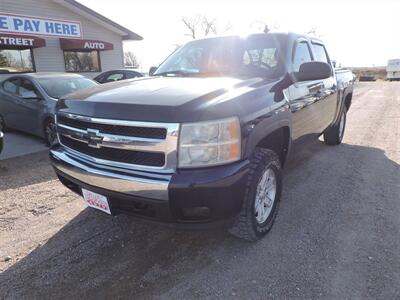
(50, 133)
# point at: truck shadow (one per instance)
(25, 170)
(98, 256)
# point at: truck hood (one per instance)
(163, 99)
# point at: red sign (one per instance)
(74, 44)
(21, 41)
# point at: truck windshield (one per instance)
(254, 56)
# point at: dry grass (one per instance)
(378, 72)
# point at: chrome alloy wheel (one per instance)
(265, 196)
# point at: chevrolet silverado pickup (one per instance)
(205, 138)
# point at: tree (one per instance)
(314, 32)
(202, 25)
(191, 24)
(262, 26)
(131, 60)
(3, 60)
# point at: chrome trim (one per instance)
(114, 164)
(155, 174)
(154, 188)
(118, 122)
(114, 141)
(97, 139)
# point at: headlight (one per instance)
(209, 143)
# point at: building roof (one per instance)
(100, 19)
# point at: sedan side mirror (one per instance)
(152, 70)
(313, 70)
(30, 95)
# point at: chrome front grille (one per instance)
(117, 143)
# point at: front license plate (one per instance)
(95, 200)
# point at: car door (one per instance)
(302, 97)
(328, 101)
(9, 102)
(30, 107)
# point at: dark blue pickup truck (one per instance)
(205, 138)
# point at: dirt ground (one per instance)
(337, 235)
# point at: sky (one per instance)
(356, 33)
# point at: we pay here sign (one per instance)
(39, 26)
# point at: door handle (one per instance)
(316, 86)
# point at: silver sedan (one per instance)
(27, 101)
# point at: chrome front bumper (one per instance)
(153, 186)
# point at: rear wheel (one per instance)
(50, 133)
(334, 135)
(261, 201)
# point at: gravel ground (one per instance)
(337, 235)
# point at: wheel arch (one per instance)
(347, 100)
(277, 138)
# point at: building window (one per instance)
(82, 61)
(16, 61)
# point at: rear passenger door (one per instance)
(10, 102)
(302, 97)
(328, 98)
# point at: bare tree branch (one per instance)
(130, 60)
(208, 25)
(314, 32)
(202, 25)
(191, 23)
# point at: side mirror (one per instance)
(30, 95)
(313, 70)
(152, 70)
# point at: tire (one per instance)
(50, 133)
(2, 124)
(250, 225)
(334, 135)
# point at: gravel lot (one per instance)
(337, 235)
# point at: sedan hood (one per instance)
(161, 99)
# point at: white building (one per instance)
(58, 36)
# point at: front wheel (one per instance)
(262, 196)
(50, 133)
(334, 135)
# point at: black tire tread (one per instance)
(243, 227)
(331, 135)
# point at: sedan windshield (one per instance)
(58, 87)
(255, 56)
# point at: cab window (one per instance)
(114, 77)
(11, 85)
(302, 54)
(27, 90)
(320, 53)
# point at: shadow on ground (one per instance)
(95, 255)
(35, 168)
